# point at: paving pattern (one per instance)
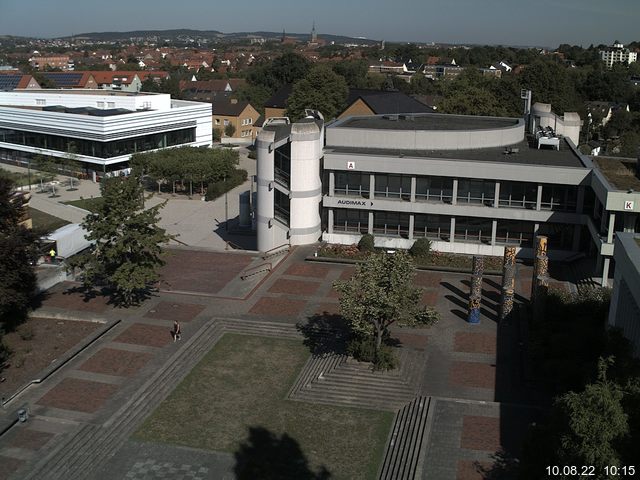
(464, 372)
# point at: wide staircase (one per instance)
(405, 446)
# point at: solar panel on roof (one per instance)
(9, 82)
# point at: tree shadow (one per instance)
(488, 309)
(267, 456)
(325, 333)
(505, 467)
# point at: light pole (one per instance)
(226, 206)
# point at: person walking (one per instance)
(52, 255)
(177, 333)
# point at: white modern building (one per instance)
(102, 129)
(616, 53)
(469, 184)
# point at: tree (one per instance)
(18, 250)
(322, 90)
(595, 420)
(127, 252)
(229, 130)
(380, 293)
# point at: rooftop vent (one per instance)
(393, 118)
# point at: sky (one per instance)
(506, 22)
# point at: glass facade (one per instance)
(434, 189)
(563, 198)
(391, 224)
(437, 227)
(515, 232)
(350, 221)
(518, 195)
(97, 149)
(473, 230)
(393, 186)
(282, 164)
(281, 206)
(352, 184)
(480, 192)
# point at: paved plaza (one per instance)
(82, 417)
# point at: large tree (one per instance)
(380, 293)
(322, 89)
(18, 250)
(128, 248)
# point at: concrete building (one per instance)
(102, 129)
(624, 312)
(240, 115)
(616, 53)
(469, 184)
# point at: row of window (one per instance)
(438, 227)
(93, 148)
(440, 189)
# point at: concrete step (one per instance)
(331, 388)
(346, 400)
(361, 385)
(405, 443)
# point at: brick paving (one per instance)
(79, 395)
(308, 270)
(271, 306)
(22, 437)
(475, 342)
(111, 361)
(67, 296)
(472, 374)
(142, 334)
(182, 312)
(472, 470)
(201, 272)
(411, 340)
(428, 279)
(328, 309)
(9, 465)
(480, 433)
(430, 298)
(293, 287)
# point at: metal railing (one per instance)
(263, 267)
(279, 250)
(234, 246)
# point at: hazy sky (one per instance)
(513, 22)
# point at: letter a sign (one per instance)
(628, 204)
(351, 165)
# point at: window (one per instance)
(355, 221)
(481, 192)
(111, 104)
(434, 189)
(352, 184)
(393, 186)
(41, 101)
(100, 104)
(518, 195)
(226, 122)
(281, 204)
(473, 230)
(217, 121)
(437, 227)
(249, 121)
(514, 232)
(391, 224)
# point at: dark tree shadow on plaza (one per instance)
(325, 333)
(267, 456)
(505, 467)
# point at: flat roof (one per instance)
(433, 121)
(527, 155)
(619, 172)
(86, 91)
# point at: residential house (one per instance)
(42, 62)
(377, 102)
(602, 112)
(385, 66)
(616, 53)
(241, 115)
(71, 79)
(209, 90)
(277, 104)
(13, 80)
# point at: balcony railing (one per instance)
(350, 227)
(281, 214)
(391, 231)
(282, 177)
(348, 191)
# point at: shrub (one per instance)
(366, 243)
(215, 189)
(420, 248)
(362, 348)
(5, 351)
(425, 318)
(25, 332)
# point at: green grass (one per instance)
(242, 383)
(90, 204)
(43, 222)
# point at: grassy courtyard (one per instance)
(240, 385)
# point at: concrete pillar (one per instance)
(370, 226)
(454, 192)
(413, 190)
(603, 219)
(496, 195)
(605, 272)
(539, 198)
(332, 183)
(330, 221)
(612, 224)
(452, 230)
(508, 281)
(536, 228)
(580, 199)
(372, 186)
(411, 225)
(494, 231)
